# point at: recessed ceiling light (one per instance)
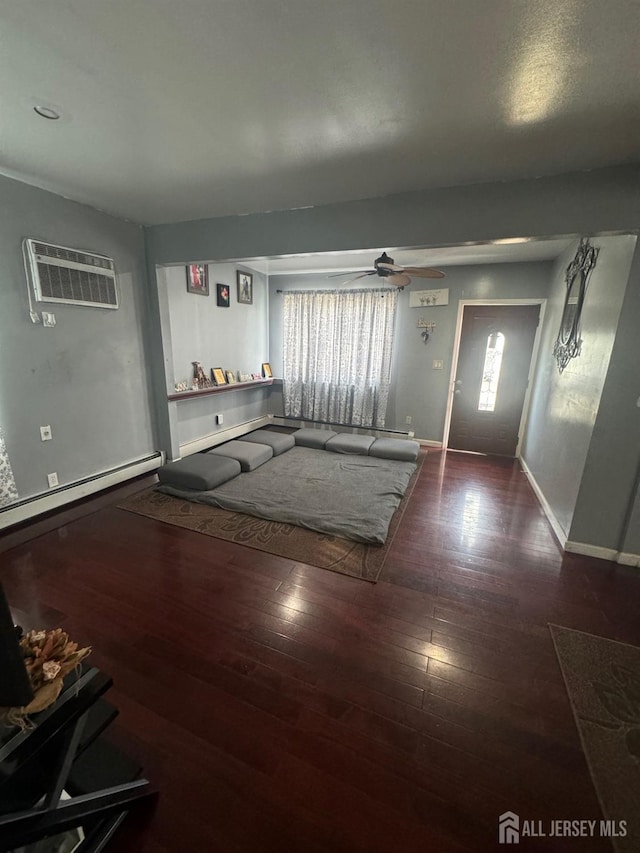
(46, 112)
(512, 240)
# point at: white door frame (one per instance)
(456, 352)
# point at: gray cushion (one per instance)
(348, 442)
(249, 455)
(279, 442)
(401, 449)
(200, 472)
(313, 437)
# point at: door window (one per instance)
(491, 372)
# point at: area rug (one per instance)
(603, 682)
(284, 540)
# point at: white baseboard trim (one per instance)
(223, 435)
(600, 553)
(75, 491)
(559, 533)
(591, 550)
(628, 559)
(427, 442)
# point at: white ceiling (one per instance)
(183, 110)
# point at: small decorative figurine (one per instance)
(199, 377)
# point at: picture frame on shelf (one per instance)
(231, 379)
(266, 370)
(218, 376)
(198, 279)
(245, 287)
(223, 295)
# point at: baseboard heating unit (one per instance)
(30, 507)
(287, 420)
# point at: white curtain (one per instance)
(8, 491)
(337, 355)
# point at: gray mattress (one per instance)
(350, 496)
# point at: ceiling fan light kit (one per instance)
(399, 276)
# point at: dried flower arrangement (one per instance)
(48, 657)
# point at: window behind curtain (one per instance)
(337, 355)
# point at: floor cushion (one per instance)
(402, 449)
(349, 442)
(200, 471)
(316, 438)
(279, 442)
(249, 456)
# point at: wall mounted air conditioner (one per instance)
(72, 276)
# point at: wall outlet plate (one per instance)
(438, 364)
(219, 419)
(48, 319)
(45, 433)
(52, 479)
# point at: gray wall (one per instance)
(233, 338)
(609, 483)
(631, 542)
(194, 328)
(88, 376)
(418, 390)
(564, 406)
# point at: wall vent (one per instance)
(73, 276)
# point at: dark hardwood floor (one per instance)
(281, 707)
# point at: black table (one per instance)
(65, 751)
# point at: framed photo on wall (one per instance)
(223, 295)
(231, 377)
(245, 287)
(198, 279)
(266, 370)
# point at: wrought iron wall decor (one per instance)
(569, 343)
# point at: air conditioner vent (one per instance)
(60, 274)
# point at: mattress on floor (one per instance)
(350, 496)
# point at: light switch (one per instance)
(438, 364)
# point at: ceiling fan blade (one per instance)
(399, 279)
(364, 272)
(423, 272)
(364, 275)
(393, 267)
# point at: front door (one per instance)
(491, 380)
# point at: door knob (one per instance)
(458, 381)
(457, 391)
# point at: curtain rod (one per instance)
(382, 290)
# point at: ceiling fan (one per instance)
(394, 274)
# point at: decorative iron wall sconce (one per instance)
(569, 343)
(427, 329)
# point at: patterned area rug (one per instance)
(284, 540)
(603, 683)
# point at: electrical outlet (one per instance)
(438, 364)
(45, 433)
(52, 479)
(219, 419)
(48, 319)
(407, 420)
